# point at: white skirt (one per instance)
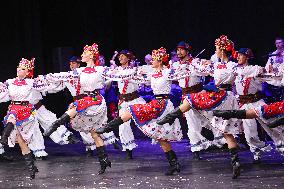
(92, 118)
(26, 130)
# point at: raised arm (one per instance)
(202, 67)
(250, 71)
(4, 92)
(143, 75)
(62, 76)
(119, 73)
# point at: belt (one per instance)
(129, 96)
(227, 87)
(193, 89)
(38, 105)
(22, 103)
(162, 96)
(87, 93)
(250, 98)
(175, 82)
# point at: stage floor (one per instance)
(67, 167)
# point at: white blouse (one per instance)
(22, 89)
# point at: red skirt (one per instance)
(206, 100)
(144, 113)
(21, 113)
(87, 101)
(273, 110)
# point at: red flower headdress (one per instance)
(161, 55)
(94, 49)
(226, 44)
(29, 65)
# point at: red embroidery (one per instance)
(207, 100)
(126, 82)
(143, 113)
(246, 85)
(189, 61)
(19, 82)
(124, 89)
(88, 101)
(273, 110)
(186, 81)
(222, 66)
(89, 70)
(157, 75)
(21, 112)
(78, 87)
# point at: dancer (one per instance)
(128, 96)
(20, 121)
(248, 88)
(219, 98)
(88, 112)
(109, 138)
(275, 60)
(191, 84)
(267, 113)
(145, 115)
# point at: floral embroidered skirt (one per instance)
(146, 115)
(92, 114)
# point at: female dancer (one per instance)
(145, 115)
(218, 98)
(88, 111)
(20, 121)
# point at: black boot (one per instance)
(6, 158)
(235, 163)
(196, 156)
(174, 164)
(63, 119)
(129, 154)
(41, 158)
(110, 126)
(89, 153)
(103, 159)
(116, 145)
(29, 160)
(6, 133)
(170, 117)
(227, 114)
(72, 139)
(276, 123)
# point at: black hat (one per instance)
(127, 53)
(75, 59)
(184, 45)
(247, 52)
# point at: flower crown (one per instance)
(94, 49)
(160, 54)
(224, 43)
(29, 64)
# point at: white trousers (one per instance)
(45, 119)
(125, 132)
(197, 141)
(250, 129)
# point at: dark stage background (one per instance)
(52, 30)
